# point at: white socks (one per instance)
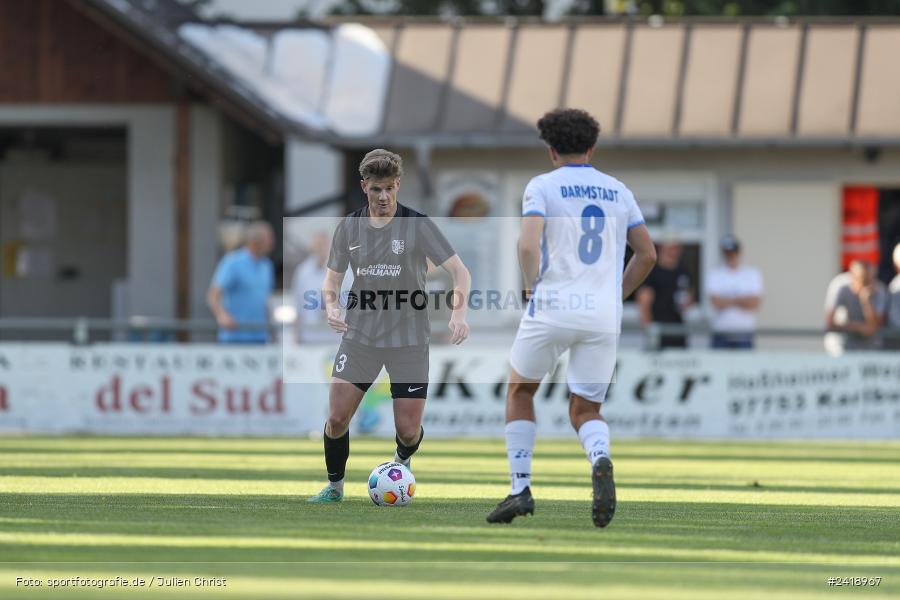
(520, 436)
(337, 485)
(594, 436)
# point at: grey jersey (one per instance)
(840, 297)
(893, 318)
(388, 305)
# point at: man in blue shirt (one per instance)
(240, 289)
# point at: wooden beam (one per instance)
(45, 60)
(182, 213)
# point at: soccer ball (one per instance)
(391, 484)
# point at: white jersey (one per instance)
(588, 214)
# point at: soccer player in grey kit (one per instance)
(389, 247)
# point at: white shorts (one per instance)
(592, 356)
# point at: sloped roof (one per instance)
(485, 82)
(703, 82)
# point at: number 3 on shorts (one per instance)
(340, 363)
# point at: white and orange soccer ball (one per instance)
(391, 484)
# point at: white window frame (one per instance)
(674, 187)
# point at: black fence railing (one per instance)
(85, 330)
(654, 333)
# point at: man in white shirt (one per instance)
(312, 325)
(735, 292)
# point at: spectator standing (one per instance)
(893, 315)
(855, 306)
(666, 294)
(312, 324)
(735, 292)
(241, 287)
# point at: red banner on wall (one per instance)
(860, 225)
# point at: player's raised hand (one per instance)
(459, 330)
(335, 321)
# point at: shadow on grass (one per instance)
(47, 527)
(456, 478)
(131, 450)
(378, 446)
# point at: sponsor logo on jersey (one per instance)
(379, 270)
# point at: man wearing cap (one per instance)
(735, 292)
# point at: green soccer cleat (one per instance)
(327, 495)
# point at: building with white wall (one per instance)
(763, 129)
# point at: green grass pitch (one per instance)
(696, 520)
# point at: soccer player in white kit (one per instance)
(576, 222)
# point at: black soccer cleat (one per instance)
(513, 506)
(604, 505)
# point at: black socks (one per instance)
(403, 451)
(337, 451)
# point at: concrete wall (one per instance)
(312, 172)
(151, 214)
(792, 233)
(206, 203)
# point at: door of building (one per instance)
(62, 238)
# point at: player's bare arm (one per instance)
(529, 249)
(642, 260)
(331, 289)
(214, 301)
(462, 284)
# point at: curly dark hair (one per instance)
(569, 130)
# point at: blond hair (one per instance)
(381, 164)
